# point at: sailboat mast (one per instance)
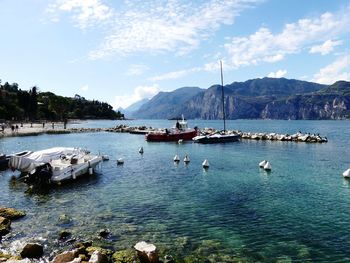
(223, 97)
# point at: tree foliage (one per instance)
(17, 104)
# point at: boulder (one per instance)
(91, 250)
(98, 257)
(11, 213)
(65, 257)
(32, 250)
(84, 244)
(104, 233)
(64, 234)
(147, 253)
(125, 256)
(5, 225)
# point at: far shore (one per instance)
(31, 128)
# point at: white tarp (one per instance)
(29, 162)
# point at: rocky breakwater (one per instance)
(119, 128)
(296, 137)
(131, 129)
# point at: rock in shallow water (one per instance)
(65, 257)
(91, 250)
(64, 234)
(147, 253)
(125, 256)
(11, 213)
(104, 233)
(98, 257)
(5, 224)
(32, 250)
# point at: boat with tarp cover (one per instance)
(55, 165)
(180, 131)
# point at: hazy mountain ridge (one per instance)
(270, 98)
(166, 104)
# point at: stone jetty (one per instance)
(269, 136)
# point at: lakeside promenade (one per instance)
(27, 129)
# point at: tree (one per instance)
(33, 102)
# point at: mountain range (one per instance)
(266, 98)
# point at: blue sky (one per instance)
(123, 51)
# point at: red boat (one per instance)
(179, 132)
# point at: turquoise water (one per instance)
(299, 212)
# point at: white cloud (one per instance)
(140, 92)
(338, 70)
(85, 12)
(152, 26)
(84, 88)
(136, 70)
(175, 74)
(278, 74)
(325, 48)
(264, 46)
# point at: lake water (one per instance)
(299, 212)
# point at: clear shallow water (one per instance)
(298, 212)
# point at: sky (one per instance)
(123, 51)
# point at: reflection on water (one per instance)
(299, 211)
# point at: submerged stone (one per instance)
(125, 256)
(84, 244)
(64, 234)
(104, 233)
(11, 213)
(5, 225)
(32, 250)
(91, 250)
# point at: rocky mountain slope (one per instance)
(270, 98)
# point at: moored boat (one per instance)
(4, 159)
(179, 132)
(217, 138)
(55, 165)
(223, 136)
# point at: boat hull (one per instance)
(164, 137)
(75, 171)
(218, 139)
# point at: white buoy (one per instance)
(186, 159)
(176, 158)
(180, 141)
(346, 174)
(141, 150)
(262, 163)
(74, 176)
(105, 157)
(267, 166)
(205, 164)
(120, 161)
(91, 171)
